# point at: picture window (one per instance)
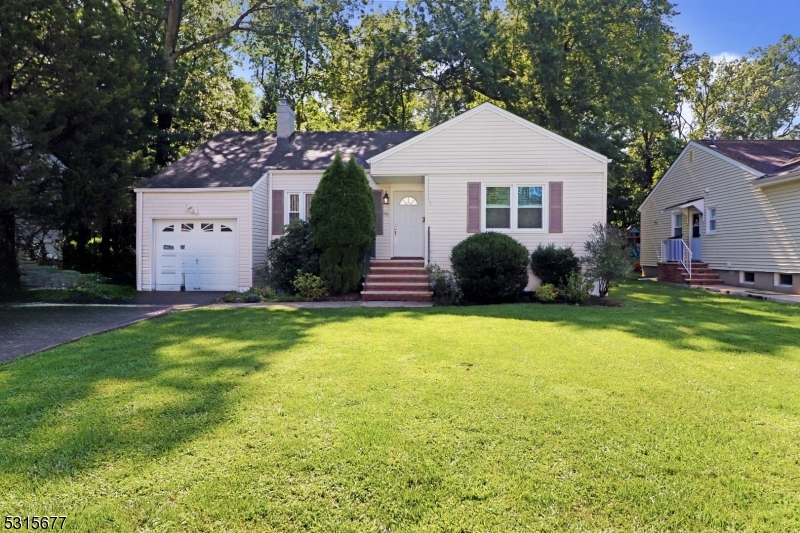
(514, 207)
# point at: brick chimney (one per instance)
(285, 119)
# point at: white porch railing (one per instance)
(677, 251)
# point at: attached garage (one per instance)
(196, 255)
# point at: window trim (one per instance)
(777, 280)
(302, 205)
(515, 206)
(672, 225)
(709, 218)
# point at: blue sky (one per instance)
(734, 27)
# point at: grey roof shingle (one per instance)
(770, 157)
(239, 159)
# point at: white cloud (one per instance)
(726, 56)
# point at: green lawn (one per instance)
(677, 412)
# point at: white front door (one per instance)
(409, 224)
(199, 255)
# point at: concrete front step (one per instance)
(716, 281)
(695, 275)
(407, 296)
(397, 286)
(397, 263)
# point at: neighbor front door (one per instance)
(697, 249)
(409, 224)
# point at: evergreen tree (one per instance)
(342, 219)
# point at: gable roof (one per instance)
(764, 159)
(768, 157)
(240, 159)
(488, 106)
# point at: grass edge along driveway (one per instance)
(678, 411)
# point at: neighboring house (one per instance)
(206, 221)
(734, 208)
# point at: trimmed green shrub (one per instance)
(294, 251)
(444, 286)
(554, 265)
(546, 292)
(576, 290)
(310, 287)
(490, 268)
(342, 219)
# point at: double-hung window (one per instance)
(677, 225)
(711, 220)
(514, 207)
(297, 205)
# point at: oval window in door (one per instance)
(408, 200)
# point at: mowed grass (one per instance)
(678, 412)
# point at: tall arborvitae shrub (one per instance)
(342, 219)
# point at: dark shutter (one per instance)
(378, 195)
(473, 207)
(277, 212)
(556, 207)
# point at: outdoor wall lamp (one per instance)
(192, 209)
(386, 198)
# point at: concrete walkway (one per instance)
(752, 293)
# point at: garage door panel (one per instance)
(197, 254)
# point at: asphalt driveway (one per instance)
(31, 328)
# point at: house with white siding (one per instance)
(206, 221)
(726, 212)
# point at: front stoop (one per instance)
(701, 274)
(397, 280)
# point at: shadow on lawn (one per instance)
(141, 391)
(686, 319)
(147, 389)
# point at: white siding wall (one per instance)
(584, 205)
(485, 143)
(211, 204)
(260, 221)
(757, 229)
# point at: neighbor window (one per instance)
(711, 220)
(783, 279)
(748, 277)
(677, 225)
(514, 207)
(297, 206)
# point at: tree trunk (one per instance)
(9, 269)
(165, 111)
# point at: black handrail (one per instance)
(429, 244)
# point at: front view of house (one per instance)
(206, 221)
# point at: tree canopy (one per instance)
(95, 97)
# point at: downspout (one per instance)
(139, 222)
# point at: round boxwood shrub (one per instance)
(554, 265)
(490, 268)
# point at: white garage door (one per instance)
(199, 255)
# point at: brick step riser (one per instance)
(395, 297)
(398, 271)
(382, 278)
(413, 264)
(699, 271)
(376, 287)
